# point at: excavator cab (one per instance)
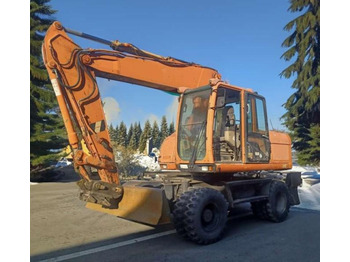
(229, 120)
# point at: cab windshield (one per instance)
(192, 127)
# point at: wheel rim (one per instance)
(281, 202)
(210, 217)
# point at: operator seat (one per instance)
(231, 132)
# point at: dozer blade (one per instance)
(141, 204)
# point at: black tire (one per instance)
(178, 215)
(276, 208)
(200, 215)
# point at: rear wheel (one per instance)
(200, 215)
(276, 208)
(278, 205)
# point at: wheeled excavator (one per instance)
(221, 155)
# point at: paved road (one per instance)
(62, 229)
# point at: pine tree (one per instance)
(303, 106)
(122, 135)
(133, 139)
(155, 134)
(130, 132)
(311, 143)
(171, 128)
(47, 132)
(146, 134)
(112, 133)
(116, 130)
(138, 133)
(164, 132)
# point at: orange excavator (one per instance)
(221, 155)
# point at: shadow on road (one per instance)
(97, 244)
(246, 239)
(238, 215)
(61, 174)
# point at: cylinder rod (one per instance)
(87, 36)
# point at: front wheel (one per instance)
(200, 215)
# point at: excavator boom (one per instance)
(73, 73)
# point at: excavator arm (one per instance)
(73, 73)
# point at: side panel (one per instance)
(168, 152)
(281, 145)
(232, 168)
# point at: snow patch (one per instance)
(148, 162)
(309, 196)
(309, 192)
(302, 169)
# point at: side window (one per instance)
(258, 144)
(249, 115)
(260, 114)
(227, 126)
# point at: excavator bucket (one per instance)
(141, 204)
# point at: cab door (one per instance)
(227, 126)
(257, 141)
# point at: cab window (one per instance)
(257, 144)
(227, 126)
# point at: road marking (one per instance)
(121, 244)
(108, 247)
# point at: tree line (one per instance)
(135, 137)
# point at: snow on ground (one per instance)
(297, 168)
(147, 162)
(309, 196)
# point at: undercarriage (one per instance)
(196, 203)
